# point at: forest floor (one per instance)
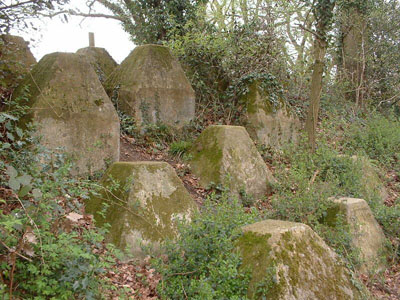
(140, 280)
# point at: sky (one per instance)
(54, 35)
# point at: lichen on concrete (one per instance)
(226, 155)
(72, 111)
(304, 267)
(151, 78)
(146, 199)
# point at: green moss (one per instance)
(132, 209)
(142, 55)
(256, 257)
(256, 99)
(293, 255)
(333, 214)
(207, 156)
(101, 61)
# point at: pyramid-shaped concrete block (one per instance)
(273, 124)
(72, 111)
(101, 61)
(150, 85)
(370, 181)
(226, 155)
(292, 262)
(16, 59)
(145, 200)
(366, 233)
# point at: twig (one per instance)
(312, 32)
(14, 251)
(37, 228)
(313, 178)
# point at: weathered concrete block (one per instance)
(371, 181)
(273, 124)
(150, 85)
(290, 261)
(366, 233)
(72, 111)
(145, 199)
(101, 61)
(227, 155)
(16, 59)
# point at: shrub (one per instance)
(201, 264)
(46, 249)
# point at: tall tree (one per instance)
(323, 14)
(352, 16)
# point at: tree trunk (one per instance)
(316, 87)
(352, 68)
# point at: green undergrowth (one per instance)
(378, 137)
(202, 263)
(307, 180)
(47, 252)
(303, 191)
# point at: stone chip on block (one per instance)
(227, 155)
(145, 200)
(289, 261)
(151, 86)
(72, 111)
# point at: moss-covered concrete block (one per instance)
(150, 85)
(16, 59)
(371, 184)
(273, 124)
(227, 155)
(371, 181)
(145, 199)
(366, 233)
(72, 111)
(101, 61)
(290, 261)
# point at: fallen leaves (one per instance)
(138, 280)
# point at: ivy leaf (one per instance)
(19, 131)
(24, 190)
(8, 116)
(11, 172)
(14, 184)
(25, 179)
(37, 193)
(10, 136)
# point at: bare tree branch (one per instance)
(81, 14)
